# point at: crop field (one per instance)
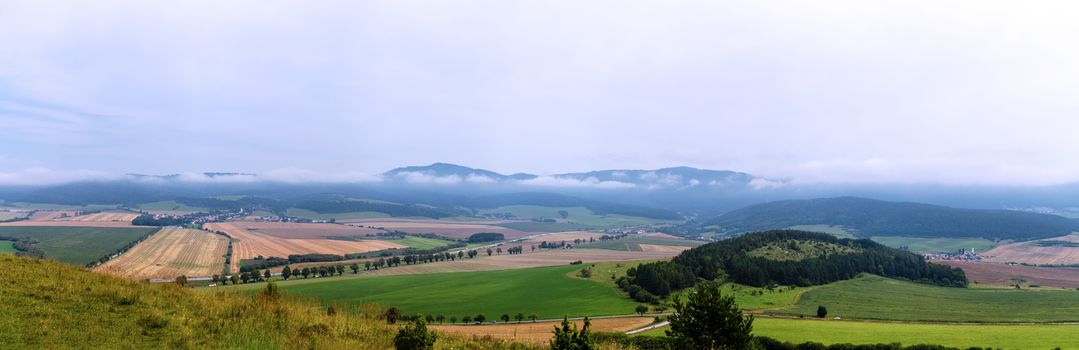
(421, 242)
(544, 291)
(458, 230)
(313, 215)
(7, 247)
(876, 298)
(104, 217)
(1058, 250)
(77, 245)
(46, 215)
(994, 274)
(540, 332)
(7, 215)
(172, 252)
(641, 243)
(829, 331)
(532, 226)
(578, 215)
(170, 207)
(292, 230)
(248, 244)
(935, 245)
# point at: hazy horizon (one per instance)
(963, 93)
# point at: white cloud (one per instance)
(591, 182)
(479, 179)
(416, 177)
(760, 184)
(296, 175)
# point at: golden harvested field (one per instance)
(248, 244)
(1032, 252)
(45, 215)
(69, 223)
(172, 252)
(541, 332)
(445, 229)
(660, 235)
(661, 248)
(564, 236)
(292, 230)
(103, 217)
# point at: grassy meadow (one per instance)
(625, 243)
(935, 245)
(422, 242)
(547, 292)
(77, 245)
(878, 298)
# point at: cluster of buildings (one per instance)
(960, 255)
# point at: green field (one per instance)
(77, 245)
(955, 335)
(878, 298)
(837, 231)
(578, 215)
(547, 292)
(308, 214)
(625, 243)
(6, 215)
(935, 245)
(421, 242)
(532, 226)
(50, 206)
(6, 247)
(170, 206)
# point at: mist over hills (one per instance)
(690, 192)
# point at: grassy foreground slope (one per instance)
(77, 245)
(545, 291)
(874, 297)
(954, 335)
(53, 305)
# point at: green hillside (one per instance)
(867, 217)
(48, 305)
(875, 297)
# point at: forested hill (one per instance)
(870, 217)
(786, 257)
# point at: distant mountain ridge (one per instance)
(871, 217)
(674, 177)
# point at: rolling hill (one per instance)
(867, 217)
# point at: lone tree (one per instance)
(710, 320)
(533, 317)
(519, 317)
(480, 318)
(569, 338)
(822, 311)
(286, 272)
(415, 336)
(266, 274)
(182, 281)
(641, 309)
(466, 319)
(234, 279)
(355, 268)
(504, 317)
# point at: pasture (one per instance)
(935, 245)
(169, 253)
(77, 245)
(877, 298)
(421, 242)
(1062, 250)
(545, 291)
(250, 243)
(170, 207)
(829, 331)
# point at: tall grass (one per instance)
(55, 306)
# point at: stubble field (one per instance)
(171, 252)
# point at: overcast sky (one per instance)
(955, 92)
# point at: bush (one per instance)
(415, 336)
